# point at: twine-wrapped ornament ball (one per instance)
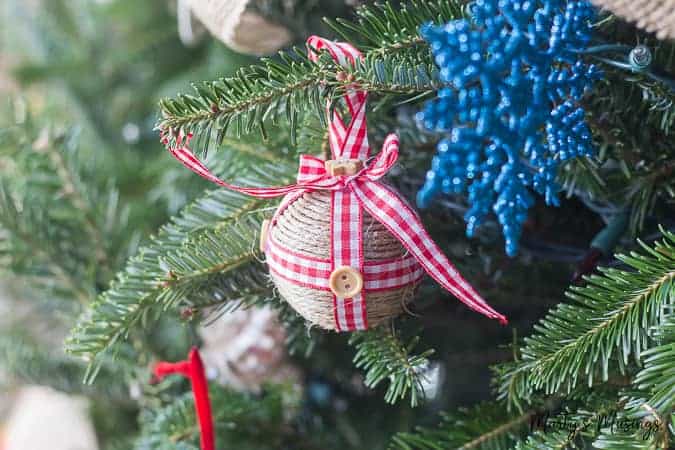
(304, 226)
(656, 16)
(234, 23)
(343, 248)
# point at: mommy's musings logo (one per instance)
(609, 423)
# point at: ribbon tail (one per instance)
(185, 156)
(384, 160)
(193, 369)
(200, 388)
(391, 211)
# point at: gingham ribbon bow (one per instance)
(353, 194)
(312, 173)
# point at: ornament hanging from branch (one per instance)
(344, 249)
(233, 23)
(655, 16)
(511, 111)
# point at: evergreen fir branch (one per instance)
(613, 184)
(398, 76)
(37, 246)
(656, 98)
(634, 90)
(201, 262)
(570, 429)
(65, 50)
(384, 29)
(553, 440)
(396, 62)
(204, 254)
(541, 440)
(50, 211)
(242, 420)
(62, 224)
(485, 426)
(76, 192)
(27, 361)
(146, 286)
(636, 426)
(632, 120)
(607, 321)
(658, 374)
(382, 354)
(251, 97)
(582, 177)
(645, 191)
(626, 441)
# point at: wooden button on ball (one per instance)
(345, 282)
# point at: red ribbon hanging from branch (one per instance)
(193, 369)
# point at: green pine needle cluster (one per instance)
(608, 323)
(657, 377)
(282, 88)
(239, 418)
(384, 357)
(610, 347)
(466, 429)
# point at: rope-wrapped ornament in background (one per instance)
(656, 16)
(233, 23)
(344, 249)
(245, 349)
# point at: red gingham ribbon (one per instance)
(313, 272)
(350, 196)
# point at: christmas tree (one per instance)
(536, 138)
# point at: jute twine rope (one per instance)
(234, 24)
(305, 227)
(656, 16)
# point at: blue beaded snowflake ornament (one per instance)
(510, 114)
